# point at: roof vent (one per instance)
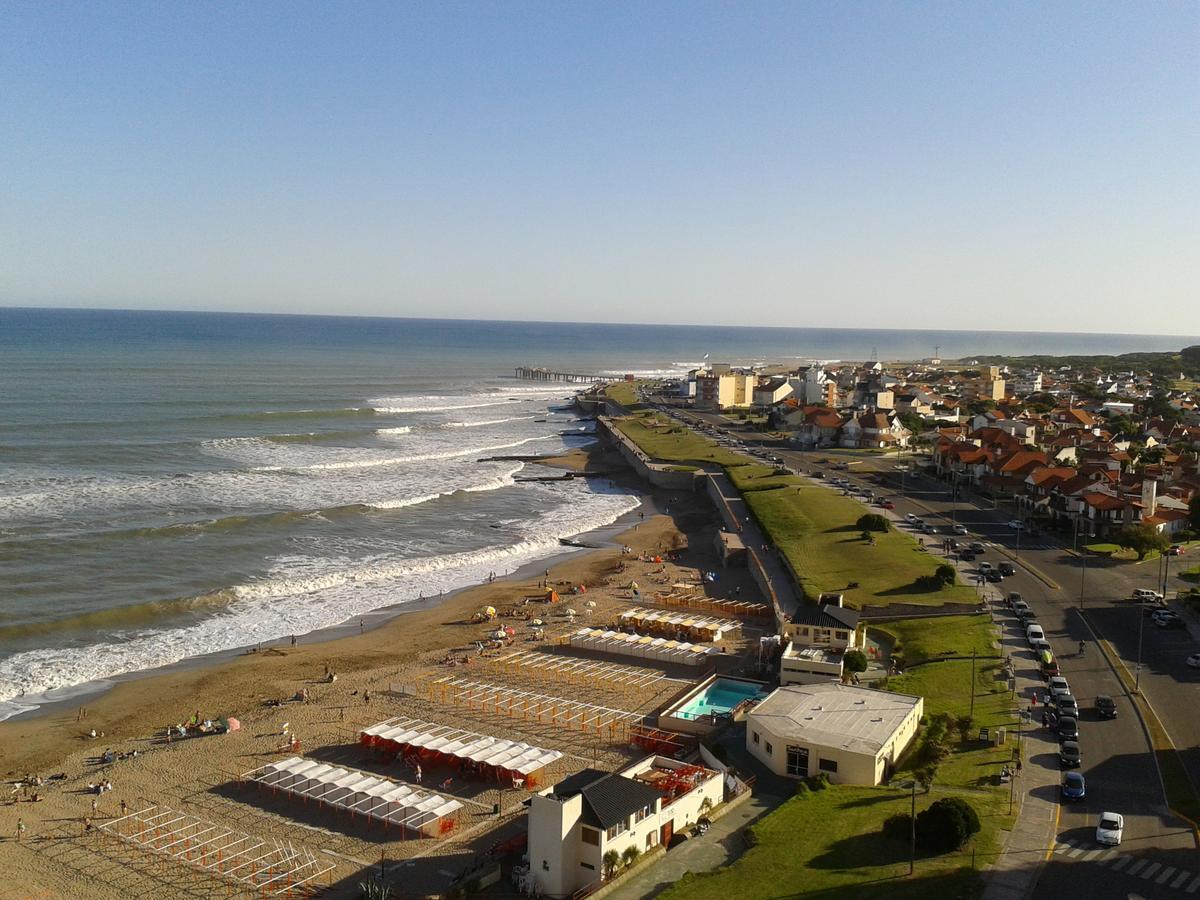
(817, 708)
(880, 719)
(860, 702)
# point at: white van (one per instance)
(1148, 596)
(1034, 633)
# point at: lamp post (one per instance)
(1137, 672)
(912, 824)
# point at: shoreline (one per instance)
(578, 460)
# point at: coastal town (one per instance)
(872, 622)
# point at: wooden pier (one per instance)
(537, 373)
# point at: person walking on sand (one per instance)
(20, 830)
(417, 775)
(366, 698)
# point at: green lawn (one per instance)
(828, 844)
(675, 443)
(946, 685)
(815, 529)
(623, 392)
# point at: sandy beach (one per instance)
(58, 856)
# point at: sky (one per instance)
(992, 166)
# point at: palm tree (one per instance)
(611, 860)
(630, 856)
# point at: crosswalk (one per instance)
(1127, 864)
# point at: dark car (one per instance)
(995, 576)
(1068, 728)
(1073, 786)
(1169, 620)
(1007, 568)
(968, 555)
(1106, 708)
(1069, 755)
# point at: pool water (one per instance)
(720, 697)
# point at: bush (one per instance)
(945, 574)
(630, 856)
(871, 522)
(898, 827)
(928, 583)
(854, 661)
(946, 825)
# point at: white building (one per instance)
(817, 637)
(575, 823)
(852, 734)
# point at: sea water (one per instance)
(177, 484)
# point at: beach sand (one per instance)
(55, 858)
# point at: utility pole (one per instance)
(1137, 672)
(972, 682)
(1082, 576)
(912, 829)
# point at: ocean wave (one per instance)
(483, 422)
(303, 596)
(446, 407)
(379, 462)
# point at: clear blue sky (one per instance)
(961, 165)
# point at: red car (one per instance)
(888, 504)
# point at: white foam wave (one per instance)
(305, 594)
(482, 422)
(399, 429)
(399, 460)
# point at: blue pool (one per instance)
(720, 697)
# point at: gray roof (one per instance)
(608, 798)
(861, 720)
(827, 615)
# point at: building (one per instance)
(575, 823)
(816, 639)
(772, 391)
(722, 391)
(852, 734)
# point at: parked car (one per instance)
(995, 576)
(1007, 568)
(1068, 728)
(1073, 786)
(1013, 597)
(1019, 606)
(1175, 550)
(978, 547)
(1033, 632)
(1151, 608)
(909, 517)
(984, 567)
(1067, 706)
(1037, 645)
(1016, 524)
(1110, 829)
(1058, 685)
(887, 504)
(1106, 707)
(1164, 618)
(968, 555)
(960, 529)
(1143, 594)
(1193, 661)
(1069, 755)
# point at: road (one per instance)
(1158, 856)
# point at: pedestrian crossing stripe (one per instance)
(1133, 870)
(1122, 862)
(1180, 879)
(1191, 888)
(1150, 870)
(1165, 874)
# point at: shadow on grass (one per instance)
(867, 801)
(905, 589)
(849, 852)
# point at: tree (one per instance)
(611, 860)
(854, 661)
(925, 776)
(963, 725)
(630, 856)
(1141, 539)
(946, 825)
(898, 827)
(871, 522)
(945, 573)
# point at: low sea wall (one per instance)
(657, 474)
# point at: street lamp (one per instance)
(912, 823)
(1137, 672)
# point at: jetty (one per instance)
(538, 373)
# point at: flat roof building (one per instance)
(852, 734)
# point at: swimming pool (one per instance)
(720, 697)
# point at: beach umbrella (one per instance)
(499, 634)
(571, 612)
(537, 622)
(508, 630)
(232, 724)
(489, 610)
(591, 604)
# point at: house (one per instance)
(852, 734)
(874, 429)
(575, 823)
(772, 391)
(1167, 521)
(813, 426)
(816, 638)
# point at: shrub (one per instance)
(871, 522)
(963, 725)
(630, 856)
(945, 573)
(928, 583)
(898, 827)
(611, 860)
(946, 825)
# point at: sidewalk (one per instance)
(1026, 848)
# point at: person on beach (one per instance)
(417, 774)
(20, 830)
(366, 698)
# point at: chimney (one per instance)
(1149, 496)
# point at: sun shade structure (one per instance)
(270, 868)
(358, 793)
(583, 671)
(642, 646)
(692, 626)
(548, 710)
(743, 608)
(500, 757)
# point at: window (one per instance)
(588, 866)
(797, 761)
(619, 828)
(642, 814)
(754, 735)
(769, 750)
(827, 765)
(591, 836)
(651, 839)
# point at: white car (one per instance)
(1193, 661)
(909, 517)
(960, 529)
(1109, 829)
(1016, 524)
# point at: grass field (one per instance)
(814, 527)
(674, 443)
(625, 393)
(828, 844)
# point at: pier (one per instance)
(537, 373)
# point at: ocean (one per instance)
(179, 484)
